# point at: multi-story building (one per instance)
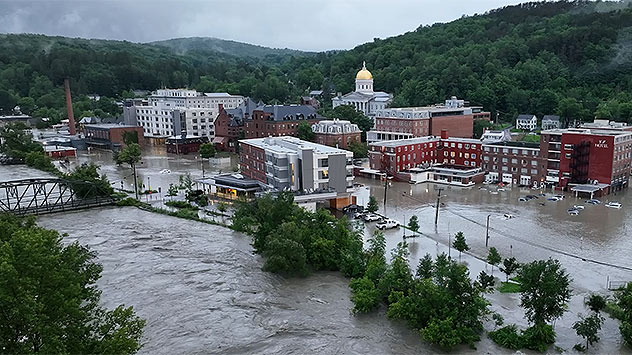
(279, 120)
(364, 99)
(514, 163)
(288, 163)
(379, 136)
(453, 116)
(578, 156)
(400, 155)
(111, 136)
(527, 122)
(229, 125)
(176, 112)
(336, 133)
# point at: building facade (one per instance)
(111, 136)
(364, 99)
(176, 112)
(229, 125)
(578, 156)
(288, 163)
(527, 122)
(452, 116)
(279, 120)
(550, 122)
(513, 163)
(336, 133)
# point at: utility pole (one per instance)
(437, 208)
(135, 181)
(487, 232)
(385, 189)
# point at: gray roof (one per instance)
(551, 118)
(291, 112)
(238, 114)
(525, 117)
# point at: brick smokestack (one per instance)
(71, 116)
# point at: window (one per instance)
(467, 162)
(473, 155)
(534, 171)
(459, 145)
(467, 155)
(467, 146)
(514, 161)
(514, 151)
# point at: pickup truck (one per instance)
(388, 224)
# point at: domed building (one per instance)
(364, 99)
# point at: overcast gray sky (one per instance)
(298, 24)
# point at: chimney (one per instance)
(71, 116)
(444, 134)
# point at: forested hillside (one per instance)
(573, 58)
(238, 49)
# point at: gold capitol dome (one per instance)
(364, 74)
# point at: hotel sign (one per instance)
(601, 144)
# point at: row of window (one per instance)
(533, 152)
(513, 169)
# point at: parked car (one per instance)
(359, 215)
(579, 207)
(554, 198)
(523, 199)
(614, 204)
(573, 211)
(593, 201)
(371, 217)
(388, 224)
(353, 208)
(561, 197)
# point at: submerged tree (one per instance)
(460, 244)
(493, 258)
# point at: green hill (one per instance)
(210, 44)
(570, 58)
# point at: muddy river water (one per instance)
(201, 289)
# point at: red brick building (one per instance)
(229, 125)
(110, 136)
(336, 133)
(584, 156)
(401, 155)
(279, 120)
(253, 162)
(517, 163)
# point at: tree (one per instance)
(130, 137)
(588, 328)
(623, 311)
(596, 303)
(510, 265)
(486, 281)
(425, 267)
(172, 191)
(372, 206)
(460, 244)
(544, 290)
(207, 150)
(493, 258)
(413, 224)
(221, 207)
(16, 143)
(50, 300)
(130, 154)
(360, 150)
(86, 181)
(364, 295)
(305, 132)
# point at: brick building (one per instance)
(336, 133)
(229, 125)
(110, 136)
(279, 120)
(583, 156)
(452, 116)
(517, 163)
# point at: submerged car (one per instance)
(573, 211)
(593, 201)
(388, 224)
(554, 198)
(614, 204)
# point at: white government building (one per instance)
(364, 99)
(174, 112)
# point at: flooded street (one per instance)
(202, 290)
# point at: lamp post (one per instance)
(487, 232)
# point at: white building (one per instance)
(174, 112)
(296, 165)
(527, 122)
(364, 99)
(550, 122)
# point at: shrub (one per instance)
(180, 204)
(39, 160)
(507, 337)
(538, 337)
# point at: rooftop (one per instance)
(531, 145)
(288, 144)
(109, 125)
(596, 132)
(400, 142)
